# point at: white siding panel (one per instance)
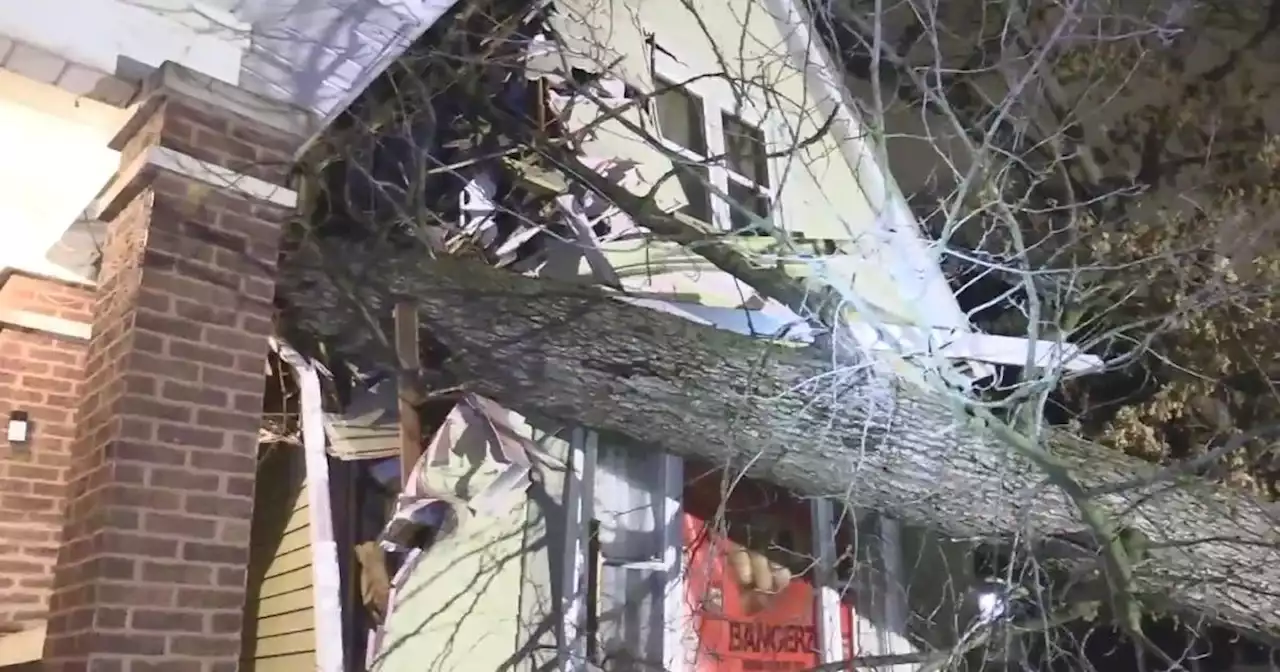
(320, 54)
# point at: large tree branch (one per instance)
(576, 354)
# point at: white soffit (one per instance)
(321, 55)
(907, 342)
(56, 160)
(101, 34)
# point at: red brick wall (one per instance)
(39, 374)
(151, 573)
(215, 138)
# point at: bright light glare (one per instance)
(991, 605)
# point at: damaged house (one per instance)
(160, 507)
(471, 536)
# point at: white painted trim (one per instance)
(126, 180)
(895, 579)
(831, 647)
(676, 617)
(223, 178)
(26, 319)
(908, 341)
(326, 591)
(891, 631)
(578, 506)
(42, 267)
(905, 341)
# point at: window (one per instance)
(694, 180)
(747, 163)
(680, 118)
(696, 131)
(757, 594)
(634, 623)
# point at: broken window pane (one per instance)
(745, 152)
(694, 180)
(680, 117)
(749, 199)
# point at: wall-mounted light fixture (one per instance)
(19, 429)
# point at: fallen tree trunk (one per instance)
(786, 415)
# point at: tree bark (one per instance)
(787, 415)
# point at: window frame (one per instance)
(735, 178)
(667, 71)
(578, 503)
(830, 628)
(580, 511)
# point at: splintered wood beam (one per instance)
(407, 382)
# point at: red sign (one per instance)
(740, 627)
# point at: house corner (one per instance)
(129, 502)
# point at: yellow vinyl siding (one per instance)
(284, 624)
(292, 662)
(286, 582)
(279, 611)
(459, 609)
(820, 194)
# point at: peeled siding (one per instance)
(460, 608)
(279, 607)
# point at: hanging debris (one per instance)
(431, 507)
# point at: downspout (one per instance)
(893, 639)
(326, 582)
